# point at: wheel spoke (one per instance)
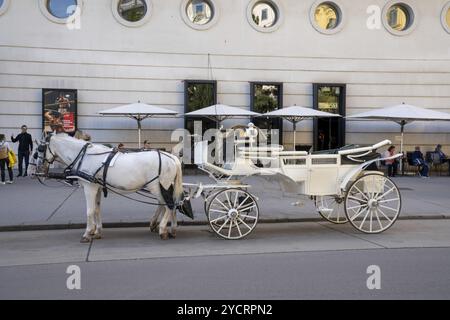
(244, 223)
(364, 220)
(358, 214)
(231, 227)
(359, 200)
(217, 219)
(222, 204)
(236, 199)
(388, 200)
(247, 216)
(362, 193)
(378, 218)
(243, 202)
(389, 208)
(217, 210)
(239, 229)
(357, 207)
(251, 206)
(226, 221)
(387, 218)
(386, 193)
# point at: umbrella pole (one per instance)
(402, 129)
(294, 123)
(139, 131)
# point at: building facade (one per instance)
(343, 54)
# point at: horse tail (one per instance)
(178, 193)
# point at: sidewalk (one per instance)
(27, 205)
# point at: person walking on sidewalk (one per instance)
(25, 148)
(4, 160)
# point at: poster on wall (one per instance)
(59, 109)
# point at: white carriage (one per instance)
(338, 181)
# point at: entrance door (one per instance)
(329, 133)
(198, 94)
(266, 97)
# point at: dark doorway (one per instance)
(266, 97)
(329, 133)
(198, 94)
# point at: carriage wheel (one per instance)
(373, 203)
(233, 213)
(331, 208)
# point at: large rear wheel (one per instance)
(373, 203)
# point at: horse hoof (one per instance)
(172, 235)
(97, 236)
(154, 228)
(85, 240)
(164, 236)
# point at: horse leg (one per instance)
(154, 220)
(97, 215)
(90, 192)
(174, 224)
(163, 233)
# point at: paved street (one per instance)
(278, 261)
(27, 203)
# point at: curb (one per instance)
(140, 224)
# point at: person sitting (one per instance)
(391, 164)
(442, 155)
(147, 145)
(418, 160)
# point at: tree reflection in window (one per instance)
(132, 10)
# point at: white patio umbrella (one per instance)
(221, 112)
(295, 114)
(403, 114)
(138, 111)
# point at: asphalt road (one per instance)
(405, 274)
(306, 260)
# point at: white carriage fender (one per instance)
(361, 167)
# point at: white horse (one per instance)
(146, 170)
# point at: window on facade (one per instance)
(132, 10)
(198, 94)
(447, 17)
(327, 16)
(266, 97)
(199, 11)
(329, 133)
(399, 17)
(264, 14)
(61, 8)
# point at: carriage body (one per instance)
(337, 180)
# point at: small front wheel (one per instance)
(373, 203)
(233, 213)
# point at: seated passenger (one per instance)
(418, 160)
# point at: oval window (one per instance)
(132, 10)
(327, 16)
(62, 9)
(199, 12)
(264, 14)
(399, 17)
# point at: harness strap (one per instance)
(105, 171)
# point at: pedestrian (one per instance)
(4, 160)
(25, 148)
(418, 160)
(391, 164)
